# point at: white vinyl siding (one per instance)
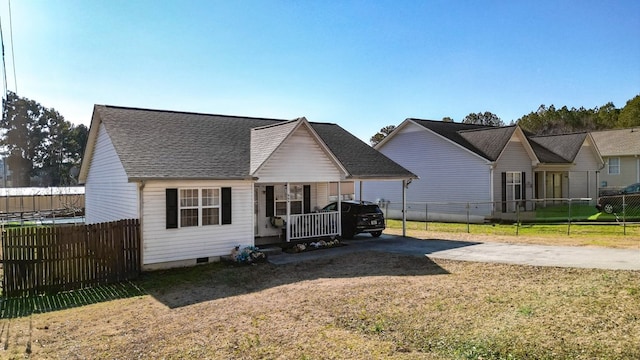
(448, 173)
(109, 195)
(166, 245)
(582, 177)
(299, 159)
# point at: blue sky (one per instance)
(360, 64)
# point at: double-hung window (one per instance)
(199, 207)
(614, 166)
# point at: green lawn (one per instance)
(581, 212)
(594, 230)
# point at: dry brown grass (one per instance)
(367, 306)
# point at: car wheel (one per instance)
(376, 233)
(608, 208)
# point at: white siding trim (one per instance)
(163, 245)
(299, 159)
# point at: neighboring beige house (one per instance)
(620, 150)
(492, 168)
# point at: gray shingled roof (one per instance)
(360, 159)
(566, 146)
(157, 144)
(451, 131)
(489, 141)
(619, 142)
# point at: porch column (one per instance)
(339, 209)
(404, 208)
(544, 187)
(288, 213)
(360, 195)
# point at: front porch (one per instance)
(286, 212)
(302, 227)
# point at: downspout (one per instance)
(288, 213)
(405, 184)
(492, 167)
(360, 195)
(141, 186)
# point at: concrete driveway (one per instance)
(537, 255)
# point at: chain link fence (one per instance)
(619, 214)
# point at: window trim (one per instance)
(200, 207)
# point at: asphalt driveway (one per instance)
(537, 255)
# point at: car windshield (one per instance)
(631, 189)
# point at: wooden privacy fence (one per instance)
(49, 259)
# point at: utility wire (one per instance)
(13, 54)
(4, 66)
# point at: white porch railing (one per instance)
(314, 225)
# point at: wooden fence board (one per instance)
(51, 259)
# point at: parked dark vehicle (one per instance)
(629, 196)
(359, 217)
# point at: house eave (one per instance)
(197, 178)
(382, 177)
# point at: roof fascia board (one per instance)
(383, 178)
(592, 141)
(304, 122)
(134, 179)
(527, 146)
(395, 131)
(92, 138)
(452, 142)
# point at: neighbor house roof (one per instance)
(453, 131)
(489, 141)
(619, 142)
(564, 146)
(159, 144)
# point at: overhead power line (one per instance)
(13, 56)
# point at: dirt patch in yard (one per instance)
(366, 305)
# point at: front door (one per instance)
(554, 185)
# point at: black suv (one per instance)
(359, 217)
(613, 202)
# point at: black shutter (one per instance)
(226, 205)
(504, 192)
(306, 194)
(171, 200)
(270, 201)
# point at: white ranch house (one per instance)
(201, 184)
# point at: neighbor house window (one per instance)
(199, 207)
(614, 166)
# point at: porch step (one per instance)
(271, 251)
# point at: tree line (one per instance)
(39, 147)
(548, 120)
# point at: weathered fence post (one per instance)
(569, 222)
(468, 220)
(517, 218)
(426, 216)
